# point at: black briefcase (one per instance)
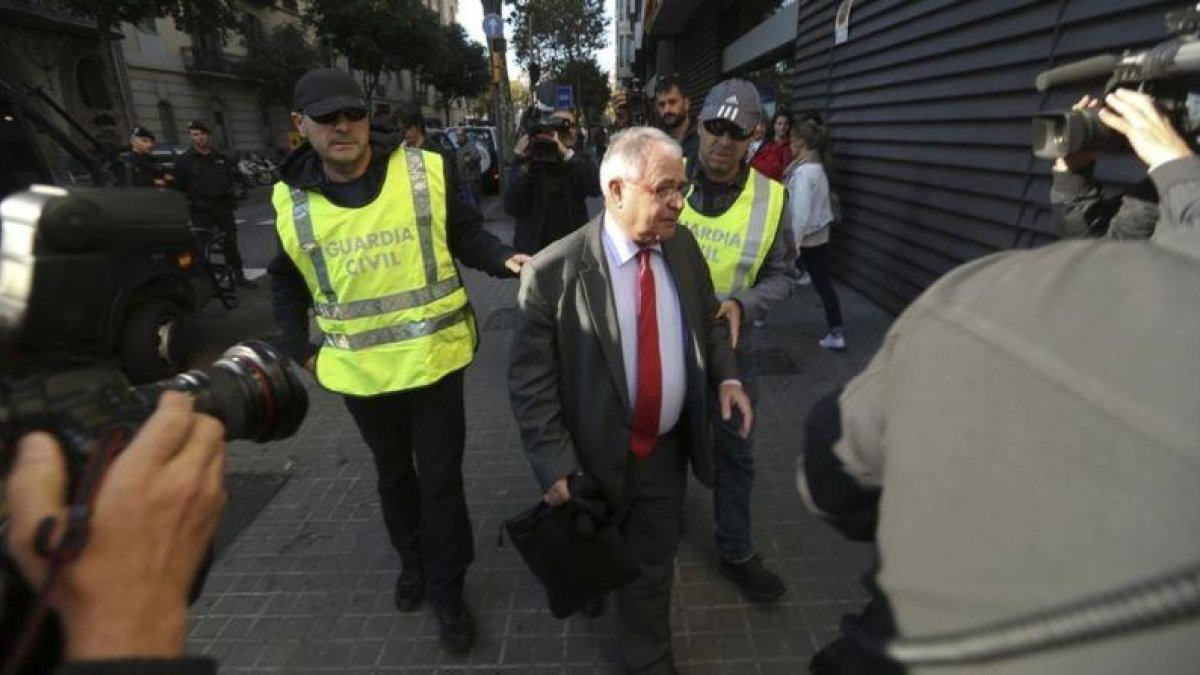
(574, 550)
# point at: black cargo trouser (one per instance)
(220, 217)
(417, 438)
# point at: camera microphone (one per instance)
(1087, 69)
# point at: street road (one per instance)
(256, 231)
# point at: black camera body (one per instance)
(63, 384)
(1160, 72)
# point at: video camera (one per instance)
(1158, 72)
(538, 121)
(250, 388)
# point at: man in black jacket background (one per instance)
(206, 176)
(548, 191)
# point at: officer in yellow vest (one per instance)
(368, 233)
(740, 220)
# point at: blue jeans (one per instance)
(733, 457)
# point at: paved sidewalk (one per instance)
(307, 586)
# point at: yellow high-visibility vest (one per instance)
(735, 243)
(385, 289)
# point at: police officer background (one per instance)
(741, 221)
(368, 232)
(206, 176)
(137, 165)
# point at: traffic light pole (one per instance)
(501, 93)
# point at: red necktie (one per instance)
(649, 365)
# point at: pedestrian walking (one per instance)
(741, 220)
(674, 115)
(368, 234)
(811, 205)
(470, 167)
(206, 176)
(633, 284)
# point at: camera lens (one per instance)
(251, 388)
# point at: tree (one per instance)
(460, 68)
(278, 61)
(376, 35)
(590, 83)
(201, 17)
(551, 33)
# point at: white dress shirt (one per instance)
(622, 252)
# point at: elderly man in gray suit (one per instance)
(612, 357)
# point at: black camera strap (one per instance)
(74, 538)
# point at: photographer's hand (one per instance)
(521, 149)
(1150, 134)
(1078, 160)
(154, 517)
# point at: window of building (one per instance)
(148, 25)
(166, 117)
(91, 83)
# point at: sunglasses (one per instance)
(351, 114)
(726, 128)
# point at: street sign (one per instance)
(493, 26)
(564, 96)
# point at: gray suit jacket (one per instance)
(566, 380)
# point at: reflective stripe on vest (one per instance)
(331, 308)
(387, 293)
(398, 332)
(735, 243)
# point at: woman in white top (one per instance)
(812, 215)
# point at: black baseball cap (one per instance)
(325, 90)
(197, 125)
(142, 132)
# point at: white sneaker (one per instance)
(804, 280)
(833, 340)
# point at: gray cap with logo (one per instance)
(734, 100)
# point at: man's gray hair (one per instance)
(629, 151)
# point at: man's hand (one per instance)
(516, 262)
(1078, 160)
(558, 493)
(732, 396)
(1150, 134)
(311, 364)
(731, 311)
(521, 149)
(154, 518)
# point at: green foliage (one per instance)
(278, 61)
(460, 67)
(591, 85)
(552, 33)
(200, 17)
(377, 35)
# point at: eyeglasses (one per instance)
(351, 114)
(665, 193)
(719, 127)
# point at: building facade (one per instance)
(175, 77)
(929, 105)
(62, 56)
